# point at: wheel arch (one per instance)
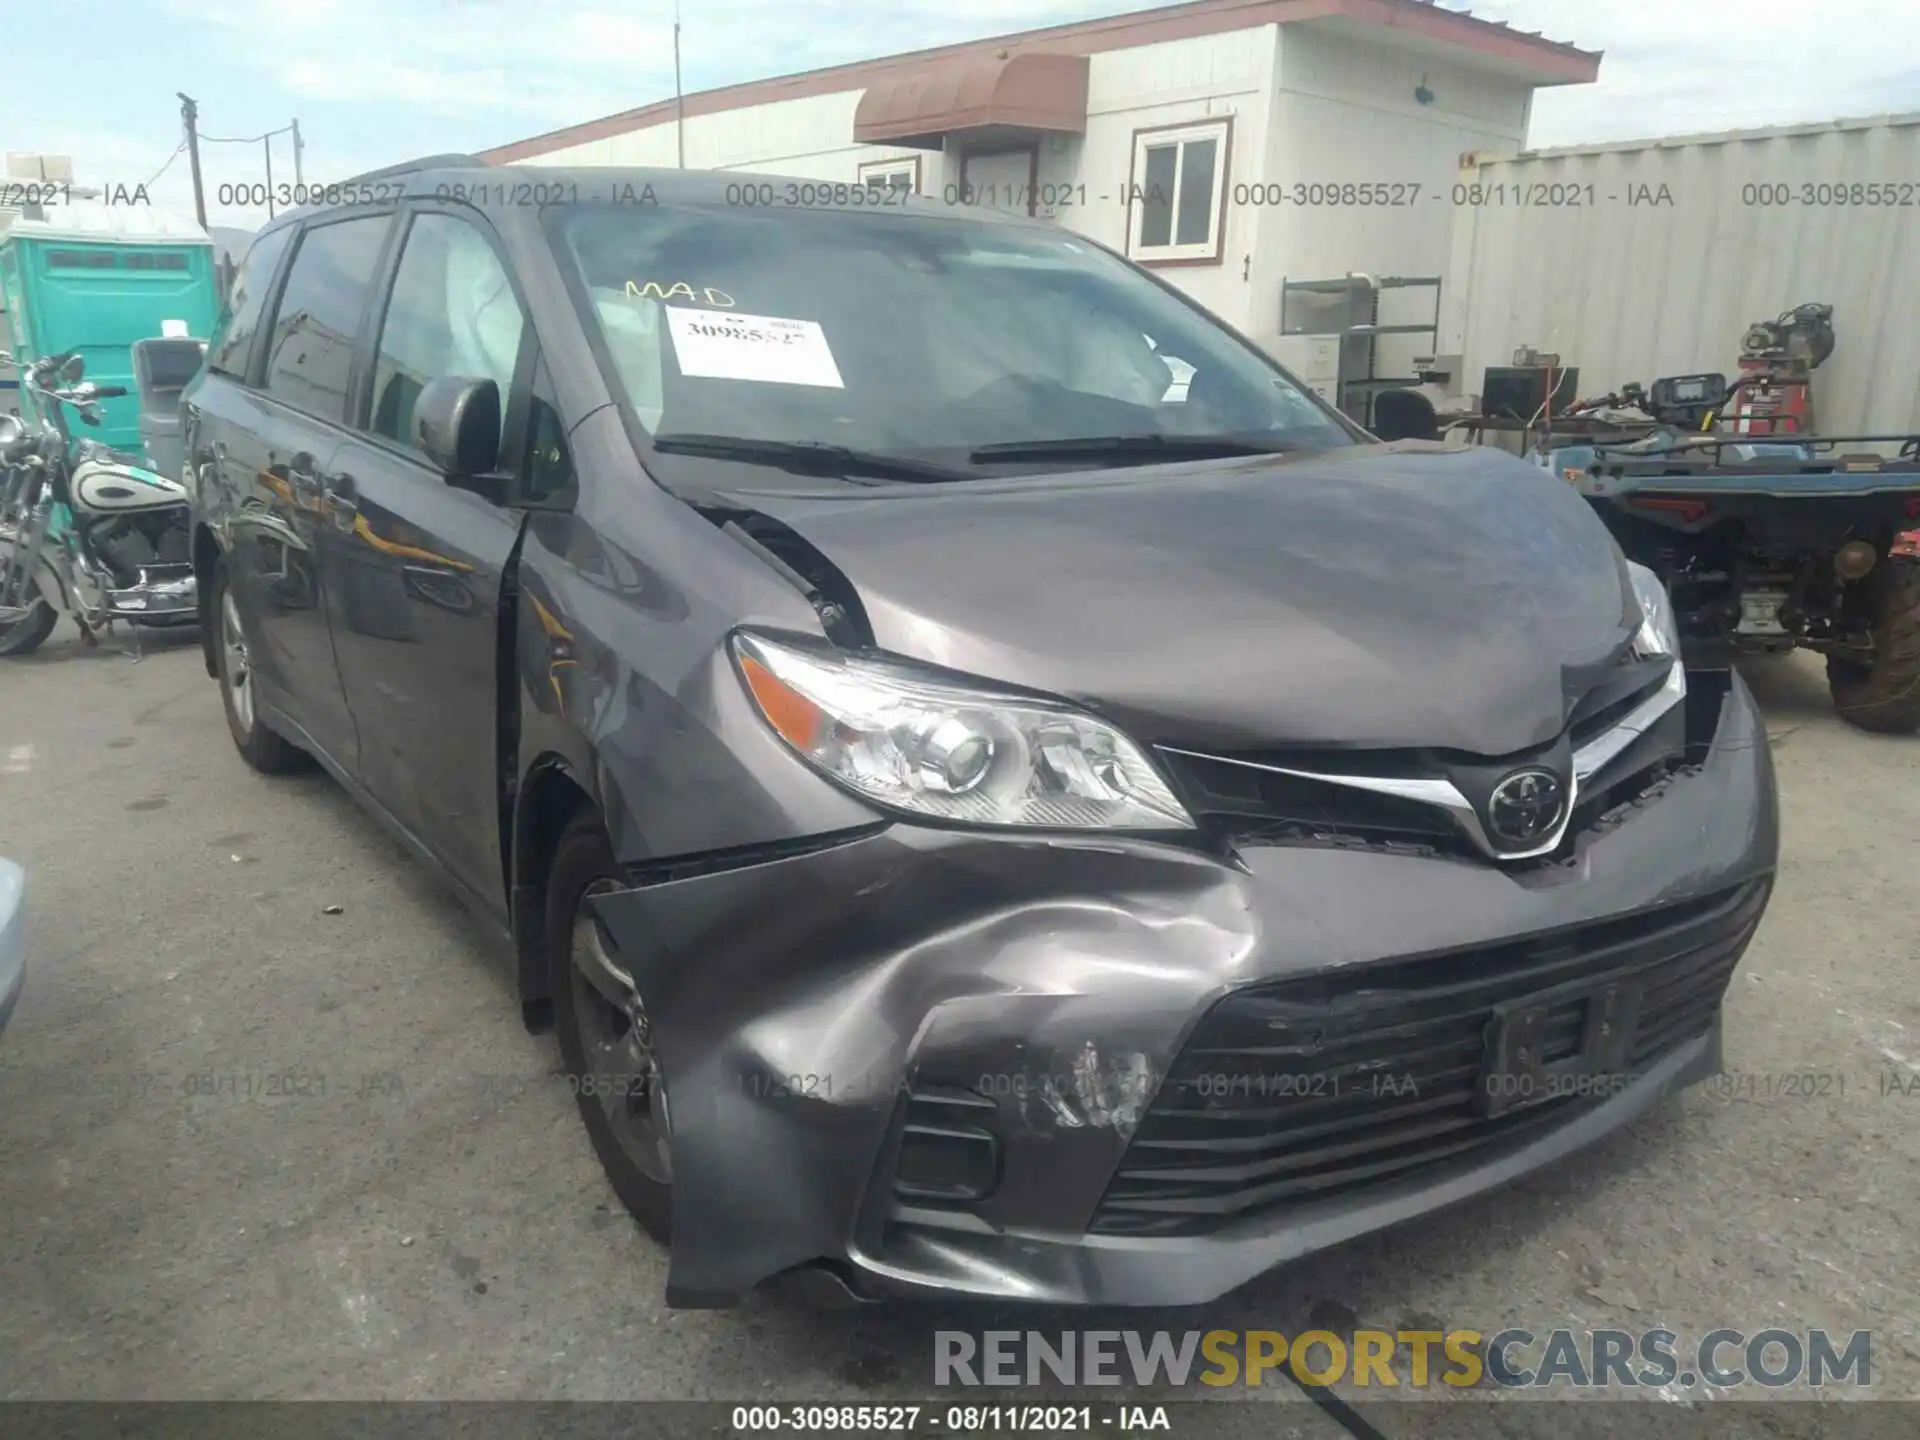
(206, 554)
(551, 792)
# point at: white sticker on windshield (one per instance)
(726, 345)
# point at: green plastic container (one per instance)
(95, 278)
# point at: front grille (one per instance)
(1245, 806)
(1239, 803)
(1296, 1092)
(1607, 705)
(1247, 797)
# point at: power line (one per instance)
(244, 139)
(166, 164)
(169, 161)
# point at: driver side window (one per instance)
(452, 312)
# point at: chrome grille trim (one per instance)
(1589, 760)
(1601, 751)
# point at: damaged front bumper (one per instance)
(1095, 1070)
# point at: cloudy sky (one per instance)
(376, 81)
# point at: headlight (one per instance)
(933, 748)
(1659, 633)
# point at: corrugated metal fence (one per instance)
(1646, 259)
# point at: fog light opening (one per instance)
(947, 1153)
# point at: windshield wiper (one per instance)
(1146, 448)
(808, 457)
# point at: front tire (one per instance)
(1885, 696)
(263, 749)
(29, 633)
(606, 1041)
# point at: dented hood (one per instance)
(1382, 595)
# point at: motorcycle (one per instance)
(85, 530)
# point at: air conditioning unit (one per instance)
(26, 165)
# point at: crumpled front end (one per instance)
(1084, 1069)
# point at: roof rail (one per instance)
(428, 162)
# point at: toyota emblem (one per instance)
(1525, 807)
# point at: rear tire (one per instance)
(28, 634)
(616, 1081)
(263, 749)
(1885, 697)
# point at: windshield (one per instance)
(910, 334)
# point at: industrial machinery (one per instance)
(1768, 536)
(1774, 394)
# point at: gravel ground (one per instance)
(433, 1225)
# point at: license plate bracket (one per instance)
(1516, 1068)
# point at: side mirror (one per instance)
(72, 368)
(457, 425)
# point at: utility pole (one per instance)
(298, 180)
(679, 100)
(190, 115)
(266, 143)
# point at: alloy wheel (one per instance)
(622, 1064)
(239, 675)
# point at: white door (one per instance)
(1001, 182)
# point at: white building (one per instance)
(1236, 143)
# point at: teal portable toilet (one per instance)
(95, 278)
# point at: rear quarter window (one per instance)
(232, 344)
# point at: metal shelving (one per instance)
(1346, 311)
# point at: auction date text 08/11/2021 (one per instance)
(1051, 197)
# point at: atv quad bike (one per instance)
(1766, 545)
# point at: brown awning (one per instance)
(1002, 93)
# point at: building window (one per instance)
(1173, 201)
(891, 174)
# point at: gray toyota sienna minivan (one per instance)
(998, 789)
